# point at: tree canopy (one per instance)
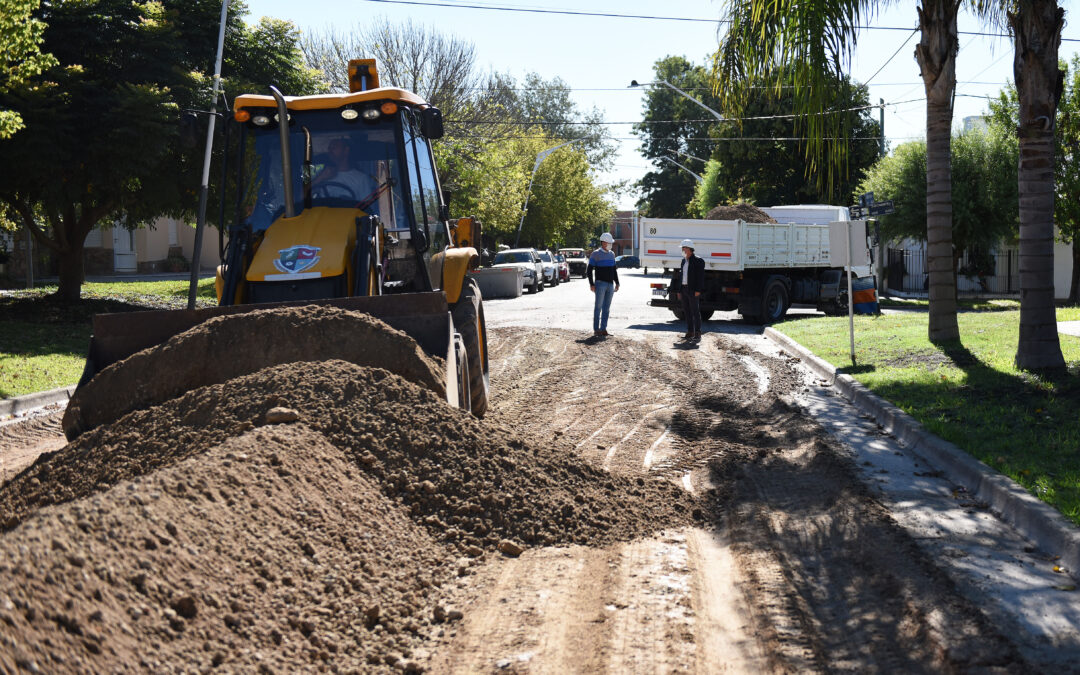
(984, 189)
(1005, 113)
(758, 156)
(101, 141)
(21, 34)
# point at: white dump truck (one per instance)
(761, 269)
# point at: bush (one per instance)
(176, 263)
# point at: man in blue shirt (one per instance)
(602, 264)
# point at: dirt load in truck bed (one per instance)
(197, 533)
(746, 212)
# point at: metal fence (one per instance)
(992, 273)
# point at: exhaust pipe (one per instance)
(286, 159)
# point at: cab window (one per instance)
(424, 194)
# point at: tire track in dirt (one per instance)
(22, 441)
(826, 580)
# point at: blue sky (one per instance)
(599, 56)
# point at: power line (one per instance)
(613, 15)
(714, 140)
(904, 44)
(732, 119)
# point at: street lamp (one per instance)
(539, 158)
(696, 176)
(687, 154)
(718, 116)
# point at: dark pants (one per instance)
(691, 308)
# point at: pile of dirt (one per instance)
(746, 212)
(269, 552)
(193, 533)
(226, 347)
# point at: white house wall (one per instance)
(208, 258)
(1062, 270)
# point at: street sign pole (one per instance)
(850, 297)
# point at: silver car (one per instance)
(551, 267)
(528, 261)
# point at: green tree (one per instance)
(770, 172)
(984, 190)
(20, 57)
(566, 204)
(487, 156)
(1005, 111)
(803, 45)
(710, 190)
(101, 142)
(814, 40)
(675, 127)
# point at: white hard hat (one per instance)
(607, 237)
(687, 243)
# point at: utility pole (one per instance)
(879, 265)
(204, 189)
(881, 118)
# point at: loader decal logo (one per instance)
(296, 259)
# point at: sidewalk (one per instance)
(1042, 524)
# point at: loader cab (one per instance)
(350, 157)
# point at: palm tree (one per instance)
(813, 41)
(1036, 28)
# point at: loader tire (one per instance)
(468, 313)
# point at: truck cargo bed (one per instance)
(735, 245)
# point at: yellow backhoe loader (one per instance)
(337, 202)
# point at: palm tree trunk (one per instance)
(1037, 30)
(936, 54)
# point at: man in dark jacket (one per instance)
(689, 283)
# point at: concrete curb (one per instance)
(19, 404)
(1039, 522)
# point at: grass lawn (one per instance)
(43, 343)
(969, 393)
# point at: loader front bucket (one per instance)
(139, 359)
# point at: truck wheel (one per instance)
(774, 302)
(679, 314)
(706, 314)
(468, 314)
(535, 288)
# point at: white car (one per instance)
(551, 267)
(528, 261)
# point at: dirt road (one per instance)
(799, 569)
(796, 567)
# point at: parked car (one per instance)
(564, 267)
(551, 267)
(528, 261)
(627, 261)
(578, 261)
